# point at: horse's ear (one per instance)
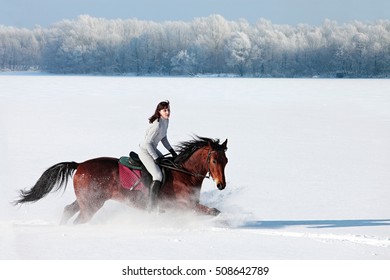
(210, 144)
(224, 145)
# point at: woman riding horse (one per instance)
(97, 180)
(150, 155)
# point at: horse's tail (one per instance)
(52, 179)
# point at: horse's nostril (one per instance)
(220, 187)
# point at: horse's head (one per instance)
(217, 161)
(202, 155)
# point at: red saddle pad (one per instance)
(130, 178)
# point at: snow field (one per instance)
(308, 173)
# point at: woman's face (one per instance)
(165, 113)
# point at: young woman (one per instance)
(149, 154)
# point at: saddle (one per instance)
(132, 161)
(133, 174)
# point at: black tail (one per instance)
(52, 179)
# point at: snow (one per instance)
(308, 173)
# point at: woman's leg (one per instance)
(156, 173)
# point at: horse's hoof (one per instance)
(214, 212)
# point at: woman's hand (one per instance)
(173, 153)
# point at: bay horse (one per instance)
(97, 180)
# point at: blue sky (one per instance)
(28, 13)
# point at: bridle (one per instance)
(173, 166)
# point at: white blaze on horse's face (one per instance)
(218, 161)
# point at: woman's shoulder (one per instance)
(155, 122)
(159, 123)
(154, 125)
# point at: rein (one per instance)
(175, 167)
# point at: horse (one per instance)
(97, 180)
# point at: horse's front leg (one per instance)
(203, 209)
(198, 208)
(189, 198)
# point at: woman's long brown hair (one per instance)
(160, 106)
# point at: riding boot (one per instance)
(153, 195)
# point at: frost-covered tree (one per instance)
(20, 49)
(183, 63)
(238, 47)
(210, 36)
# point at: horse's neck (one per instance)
(197, 163)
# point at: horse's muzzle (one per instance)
(221, 186)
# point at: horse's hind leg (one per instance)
(88, 210)
(69, 212)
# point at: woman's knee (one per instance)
(157, 176)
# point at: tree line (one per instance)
(208, 45)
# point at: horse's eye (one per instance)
(214, 161)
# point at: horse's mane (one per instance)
(187, 148)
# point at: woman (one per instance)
(150, 155)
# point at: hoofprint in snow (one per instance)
(307, 174)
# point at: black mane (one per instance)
(186, 149)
